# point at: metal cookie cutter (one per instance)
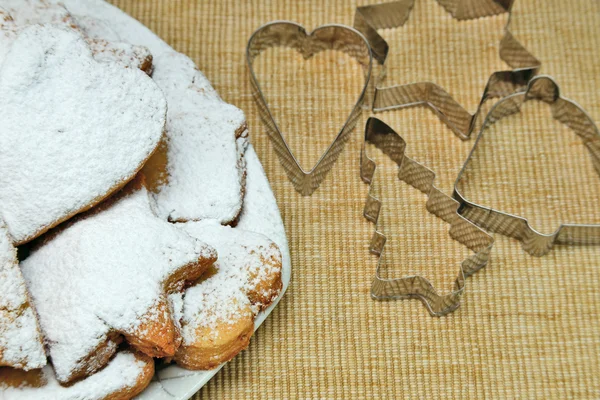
(439, 204)
(394, 14)
(326, 37)
(542, 88)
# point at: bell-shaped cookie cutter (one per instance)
(542, 88)
(326, 37)
(439, 204)
(501, 83)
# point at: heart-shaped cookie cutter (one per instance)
(541, 88)
(326, 37)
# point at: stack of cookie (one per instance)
(134, 220)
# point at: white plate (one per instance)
(172, 382)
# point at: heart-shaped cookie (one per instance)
(73, 130)
(326, 37)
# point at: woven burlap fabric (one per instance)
(528, 327)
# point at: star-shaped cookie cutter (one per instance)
(541, 88)
(326, 37)
(501, 83)
(441, 205)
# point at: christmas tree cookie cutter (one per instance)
(326, 37)
(541, 88)
(501, 83)
(439, 204)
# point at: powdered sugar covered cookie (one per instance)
(106, 274)
(125, 376)
(125, 54)
(20, 338)
(8, 33)
(219, 329)
(217, 315)
(199, 172)
(260, 213)
(95, 28)
(73, 130)
(201, 169)
(105, 48)
(30, 12)
(249, 260)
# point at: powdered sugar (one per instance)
(86, 128)
(102, 274)
(18, 14)
(177, 73)
(125, 54)
(20, 339)
(260, 210)
(204, 167)
(176, 303)
(213, 303)
(121, 373)
(29, 12)
(7, 33)
(240, 269)
(95, 28)
(104, 43)
(260, 213)
(106, 18)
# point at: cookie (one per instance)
(260, 213)
(105, 48)
(30, 12)
(220, 328)
(124, 377)
(125, 54)
(94, 28)
(217, 317)
(8, 33)
(86, 129)
(199, 173)
(20, 339)
(105, 276)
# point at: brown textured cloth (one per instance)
(528, 327)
